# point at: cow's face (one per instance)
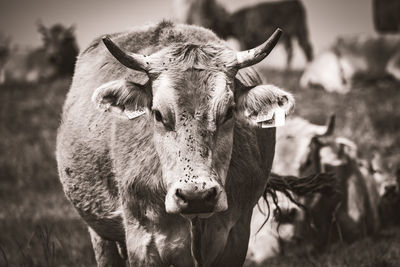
(194, 115)
(194, 99)
(296, 144)
(58, 42)
(385, 181)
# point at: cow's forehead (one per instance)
(194, 91)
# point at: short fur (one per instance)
(114, 170)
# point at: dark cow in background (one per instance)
(354, 56)
(59, 47)
(206, 13)
(55, 58)
(353, 212)
(169, 158)
(386, 16)
(250, 24)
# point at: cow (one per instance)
(249, 24)
(365, 199)
(161, 148)
(386, 16)
(388, 185)
(55, 58)
(292, 148)
(351, 214)
(206, 13)
(353, 56)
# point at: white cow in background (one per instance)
(368, 56)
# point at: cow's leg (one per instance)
(287, 42)
(305, 45)
(105, 251)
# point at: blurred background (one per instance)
(326, 19)
(337, 57)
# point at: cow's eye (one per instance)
(229, 114)
(157, 115)
(168, 123)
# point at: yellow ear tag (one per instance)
(277, 120)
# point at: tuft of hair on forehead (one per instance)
(198, 56)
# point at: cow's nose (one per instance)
(197, 201)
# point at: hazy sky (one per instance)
(326, 18)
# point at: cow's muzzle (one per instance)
(198, 198)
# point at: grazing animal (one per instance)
(55, 58)
(250, 24)
(388, 190)
(386, 16)
(354, 56)
(353, 212)
(160, 148)
(366, 195)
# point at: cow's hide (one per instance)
(161, 148)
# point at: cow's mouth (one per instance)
(200, 202)
(197, 206)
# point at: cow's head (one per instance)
(386, 182)
(59, 44)
(298, 143)
(194, 96)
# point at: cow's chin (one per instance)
(192, 209)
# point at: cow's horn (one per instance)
(329, 128)
(253, 56)
(130, 60)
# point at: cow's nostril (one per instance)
(210, 194)
(390, 188)
(180, 195)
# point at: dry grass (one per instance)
(37, 224)
(39, 228)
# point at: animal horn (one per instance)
(330, 126)
(131, 60)
(253, 56)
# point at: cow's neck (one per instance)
(195, 231)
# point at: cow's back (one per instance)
(266, 17)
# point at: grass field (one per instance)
(38, 227)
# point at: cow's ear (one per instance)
(41, 28)
(264, 105)
(122, 98)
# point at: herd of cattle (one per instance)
(351, 56)
(170, 164)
